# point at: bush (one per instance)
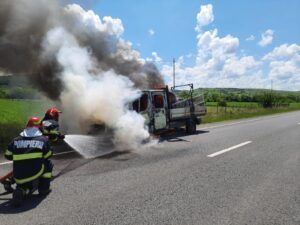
(222, 103)
(22, 93)
(3, 94)
(268, 100)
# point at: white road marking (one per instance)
(229, 149)
(60, 153)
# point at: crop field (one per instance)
(237, 104)
(238, 110)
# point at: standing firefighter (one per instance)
(50, 125)
(30, 153)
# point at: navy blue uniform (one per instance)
(51, 129)
(30, 153)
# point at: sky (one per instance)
(241, 44)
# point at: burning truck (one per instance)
(75, 58)
(163, 110)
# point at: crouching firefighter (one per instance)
(32, 168)
(50, 125)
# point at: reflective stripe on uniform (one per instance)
(54, 132)
(37, 122)
(48, 154)
(7, 152)
(34, 155)
(25, 180)
(47, 175)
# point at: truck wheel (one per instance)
(190, 126)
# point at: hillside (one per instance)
(246, 95)
(16, 87)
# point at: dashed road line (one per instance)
(229, 149)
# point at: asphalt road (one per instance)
(241, 172)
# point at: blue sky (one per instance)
(174, 20)
(173, 23)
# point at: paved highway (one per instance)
(240, 172)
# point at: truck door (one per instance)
(159, 111)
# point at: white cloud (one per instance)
(151, 32)
(218, 57)
(284, 51)
(204, 17)
(284, 65)
(218, 64)
(211, 43)
(221, 63)
(90, 20)
(250, 38)
(240, 66)
(266, 38)
(149, 59)
(156, 57)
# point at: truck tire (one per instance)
(190, 126)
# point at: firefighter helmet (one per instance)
(34, 122)
(52, 113)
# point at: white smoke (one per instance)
(25, 23)
(91, 95)
(79, 60)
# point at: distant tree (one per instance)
(3, 94)
(222, 103)
(268, 100)
(246, 98)
(22, 93)
(183, 94)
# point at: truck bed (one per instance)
(182, 109)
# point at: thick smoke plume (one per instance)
(78, 59)
(24, 24)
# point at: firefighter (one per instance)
(30, 153)
(50, 125)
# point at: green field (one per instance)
(237, 104)
(238, 110)
(14, 114)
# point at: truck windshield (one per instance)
(141, 104)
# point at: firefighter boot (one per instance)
(18, 197)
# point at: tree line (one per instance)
(267, 98)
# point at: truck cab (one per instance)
(162, 110)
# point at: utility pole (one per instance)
(271, 85)
(174, 73)
(272, 100)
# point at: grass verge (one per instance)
(218, 114)
(14, 115)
